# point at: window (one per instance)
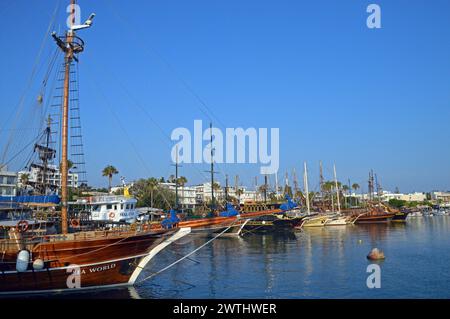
(115, 207)
(121, 206)
(128, 206)
(109, 206)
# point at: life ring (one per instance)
(112, 215)
(146, 227)
(75, 223)
(22, 226)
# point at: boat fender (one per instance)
(38, 264)
(23, 258)
(75, 223)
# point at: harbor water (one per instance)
(325, 262)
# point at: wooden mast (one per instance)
(65, 120)
(213, 201)
(305, 181)
(337, 189)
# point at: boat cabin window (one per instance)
(96, 208)
(121, 206)
(128, 206)
(109, 206)
(115, 207)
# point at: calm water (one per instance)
(325, 262)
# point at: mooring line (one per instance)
(185, 257)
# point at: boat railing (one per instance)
(103, 199)
(29, 240)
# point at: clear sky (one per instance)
(338, 91)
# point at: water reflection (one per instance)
(327, 262)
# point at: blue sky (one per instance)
(339, 92)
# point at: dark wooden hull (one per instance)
(400, 217)
(280, 225)
(218, 224)
(99, 262)
(375, 218)
(108, 273)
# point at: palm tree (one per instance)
(69, 165)
(109, 171)
(239, 192)
(345, 189)
(355, 187)
(152, 184)
(24, 179)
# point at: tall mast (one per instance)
(213, 201)
(295, 182)
(265, 188)
(226, 189)
(276, 185)
(176, 180)
(337, 189)
(65, 118)
(305, 180)
(70, 44)
(322, 180)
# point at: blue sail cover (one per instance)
(230, 212)
(36, 199)
(171, 221)
(290, 204)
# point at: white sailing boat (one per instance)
(313, 220)
(337, 219)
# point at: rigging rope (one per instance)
(186, 256)
(30, 80)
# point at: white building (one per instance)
(8, 182)
(53, 176)
(414, 197)
(387, 196)
(444, 197)
(186, 194)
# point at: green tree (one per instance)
(69, 165)
(355, 187)
(397, 203)
(149, 193)
(109, 171)
(24, 179)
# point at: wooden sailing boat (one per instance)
(40, 262)
(377, 212)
